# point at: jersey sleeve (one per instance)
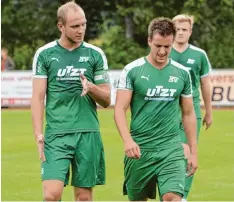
(39, 65)
(187, 91)
(205, 66)
(101, 75)
(125, 81)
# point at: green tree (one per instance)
(120, 26)
(213, 29)
(29, 24)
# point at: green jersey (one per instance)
(66, 110)
(155, 100)
(198, 63)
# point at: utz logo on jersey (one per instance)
(160, 94)
(69, 73)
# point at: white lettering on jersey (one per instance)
(173, 79)
(190, 61)
(83, 59)
(160, 93)
(70, 73)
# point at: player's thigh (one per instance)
(83, 194)
(52, 190)
(171, 197)
(140, 177)
(59, 151)
(171, 172)
(88, 165)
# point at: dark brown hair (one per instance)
(161, 25)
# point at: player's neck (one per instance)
(155, 63)
(67, 44)
(180, 47)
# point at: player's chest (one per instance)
(159, 84)
(70, 65)
(192, 62)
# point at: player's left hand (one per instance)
(207, 120)
(85, 84)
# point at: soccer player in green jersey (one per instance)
(199, 67)
(72, 75)
(154, 86)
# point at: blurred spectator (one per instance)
(6, 62)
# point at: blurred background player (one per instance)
(72, 74)
(199, 66)
(6, 62)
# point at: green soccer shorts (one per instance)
(83, 152)
(164, 168)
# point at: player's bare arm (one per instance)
(37, 108)
(100, 93)
(189, 122)
(123, 99)
(206, 94)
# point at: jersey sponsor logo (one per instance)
(70, 73)
(160, 94)
(83, 59)
(173, 79)
(57, 59)
(145, 77)
(191, 61)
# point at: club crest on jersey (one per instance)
(190, 61)
(70, 73)
(83, 59)
(160, 94)
(173, 79)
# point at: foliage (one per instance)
(120, 26)
(24, 29)
(213, 30)
(118, 50)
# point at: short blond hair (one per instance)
(184, 18)
(65, 8)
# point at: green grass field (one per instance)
(214, 179)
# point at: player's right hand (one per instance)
(40, 147)
(132, 150)
(192, 165)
